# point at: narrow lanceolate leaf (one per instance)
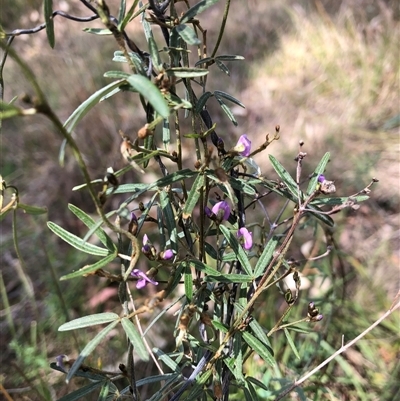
(9, 110)
(227, 96)
(259, 347)
(201, 102)
(48, 17)
(260, 334)
(90, 223)
(188, 34)
(150, 92)
(82, 392)
(194, 196)
(77, 242)
(88, 321)
(89, 348)
(155, 55)
(265, 257)
(226, 110)
(237, 248)
(88, 104)
(222, 67)
(188, 279)
(229, 57)
(135, 338)
(34, 210)
(312, 185)
(129, 15)
(117, 74)
(90, 268)
(285, 176)
(197, 9)
(98, 31)
(183, 72)
(291, 343)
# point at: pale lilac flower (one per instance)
(143, 279)
(321, 178)
(167, 254)
(247, 237)
(243, 146)
(222, 210)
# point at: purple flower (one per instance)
(167, 254)
(146, 248)
(222, 210)
(243, 146)
(208, 212)
(321, 178)
(143, 279)
(247, 236)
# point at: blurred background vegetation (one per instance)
(326, 72)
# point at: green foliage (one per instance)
(206, 237)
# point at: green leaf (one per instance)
(285, 176)
(229, 57)
(88, 104)
(260, 334)
(259, 347)
(135, 338)
(169, 217)
(48, 18)
(226, 110)
(76, 242)
(105, 390)
(9, 110)
(312, 185)
(98, 31)
(122, 10)
(237, 248)
(155, 55)
(34, 210)
(89, 348)
(338, 200)
(227, 96)
(204, 61)
(188, 35)
(82, 392)
(130, 16)
(156, 379)
(90, 268)
(220, 326)
(194, 196)
(117, 74)
(90, 223)
(265, 257)
(223, 67)
(197, 9)
(201, 102)
(183, 72)
(291, 343)
(229, 278)
(150, 92)
(188, 279)
(238, 356)
(257, 382)
(88, 321)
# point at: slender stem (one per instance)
(222, 29)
